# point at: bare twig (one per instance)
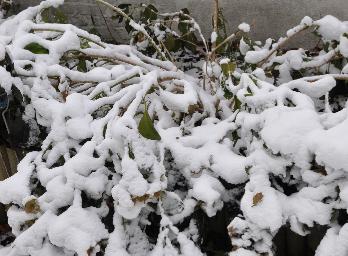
(106, 24)
(229, 38)
(62, 31)
(190, 20)
(215, 26)
(136, 26)
(283, 41)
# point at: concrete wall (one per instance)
(269, 18)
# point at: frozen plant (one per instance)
(135, 146)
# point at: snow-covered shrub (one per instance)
(135, 146)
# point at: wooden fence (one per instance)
(9, 159)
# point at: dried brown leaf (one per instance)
(257, 198)
(32, 206)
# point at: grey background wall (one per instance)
(269, 18)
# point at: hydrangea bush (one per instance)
(134, 143)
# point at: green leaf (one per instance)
(236, 103)
(59, 16)
(124, 7)
(94, 31)
(53, 15)
(104, 130)
(146, 127)
(227, 93)
(326, 46)
(219, 40)
(151, 90)
(150, 13)
(228, 68)
(45, 15)
(81, 66)
(221, 23)
(117, 17)
(99, 96)
(186, 11)
(128, 27)
(190, 41)
(28, 67)
(171, 43)
(338, 63)
(130, 152)
(183, 27)
(84, 44)
(36, 48)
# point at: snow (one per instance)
(269, 206)
(329, 146)
(180, 102)
(77, 230)
(208, 190)
(343, 47)
(243, 47)
(30, 240)
(334, 242)
(15, 188)
(307, 21)
(95, 161)
(254, 57)
(307, 211)
(224, 61)
(79, 128)
(242, 252)
(285, 129)
(331, 28)
(315, 88)
(244, 27)
(212, 69)
(213, 37)
(345, 69)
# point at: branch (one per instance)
(283, 41)
(232, 36)
(321, 59)
(192, 21)
(136, 26)
(106, 24)
(215, 26)
(312, 79)
(62, 31)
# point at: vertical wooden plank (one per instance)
(5, 169)
(13, 160)
(3, 173)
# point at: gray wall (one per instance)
(269, 18)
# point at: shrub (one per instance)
(134, 146)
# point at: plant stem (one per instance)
(106, 24)
(215, 26)
(136, 26)
(62, 31)
(225, 41)
(282, 42)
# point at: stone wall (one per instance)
(269, 18)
